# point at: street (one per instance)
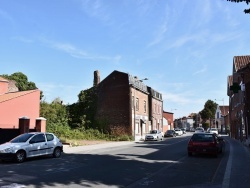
(144, 164)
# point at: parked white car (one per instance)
(154, 135)
(178, 132)
(214, 130)
(31, 144)
(199, 130)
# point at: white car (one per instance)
(154, 135)
(199, 130)
(31, 145)
(178, 132)
(214, 130)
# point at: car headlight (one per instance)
(6, 150)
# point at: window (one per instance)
(49, 137)
(155, 109)
(38, 138)
(133, 102)
(145, 106)
(137, 104)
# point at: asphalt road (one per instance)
(129, 164)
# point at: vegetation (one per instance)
(247, 11)
(208, 111)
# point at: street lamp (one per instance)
(135, 103)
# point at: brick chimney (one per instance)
(96, 78)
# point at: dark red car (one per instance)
(205, 143)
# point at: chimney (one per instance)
(96, 78)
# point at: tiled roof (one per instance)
(3, 79)
(241, 62)
(9, 96)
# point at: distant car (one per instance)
(199, 129)
(154, 135)
(178, 132)
(31, 144)
(214, 130)
(205, 143)
(183, 130)
(170, 133)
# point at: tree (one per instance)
(22, 82)
(247, 11)
(208, 111)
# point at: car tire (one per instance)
(57, 152)
(190, 153)
(20, 156)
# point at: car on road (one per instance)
(214, 130)
(31, 144)
(178, 132)
(199, 129)
(205, 143)
(154, 135)
(170, 133)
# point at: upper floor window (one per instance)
(145, 106)
(137, 104)
(133, 102)
(155, 109)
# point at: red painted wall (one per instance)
(25, 105)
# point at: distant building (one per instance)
(168, 121)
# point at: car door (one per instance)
(51, 143)
(37, 145)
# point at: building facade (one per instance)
(125, 104)
(238, 91)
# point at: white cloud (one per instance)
(79, 53)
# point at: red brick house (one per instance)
(238, 91)
(18, 109)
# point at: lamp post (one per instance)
(133, 85)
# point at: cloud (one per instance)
(22, 39)
(79, 53)
(200, 70)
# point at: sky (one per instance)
(185, 48)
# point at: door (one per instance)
(37, 145)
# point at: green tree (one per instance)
(208, 111)
(247, 11)
(82, 113)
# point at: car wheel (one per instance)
(57, 152)
(190, 154)
(20, 156)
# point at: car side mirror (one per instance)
(32, 142)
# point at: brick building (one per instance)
(168, 121)
(239, 98)
(127, 105)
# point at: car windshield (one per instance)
(21, 138)
(202, 138)
(169, 131)
(153, 132)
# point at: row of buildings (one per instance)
(123, 101)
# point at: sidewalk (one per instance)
(75, 149)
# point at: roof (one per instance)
(3, 79)
(241, 62)
(10, 96)
(224, 110)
